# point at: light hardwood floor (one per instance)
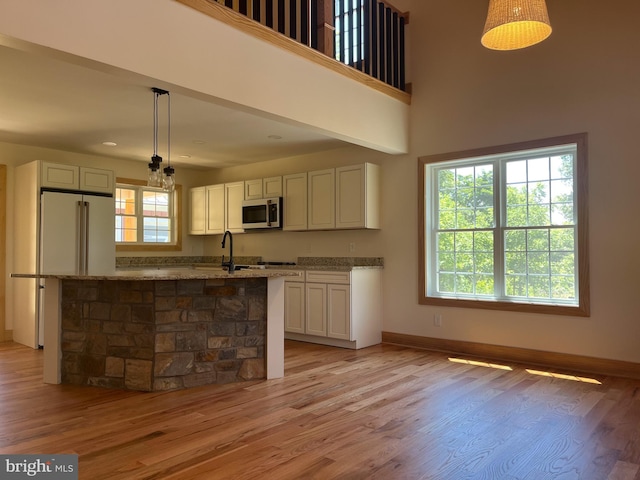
(384, 412)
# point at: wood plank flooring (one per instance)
(384, 412)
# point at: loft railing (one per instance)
(370, 37)
(367, 35)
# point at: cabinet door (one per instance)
(271, 187)
(294, 192)
(60, 176)
(253, 189)
(96, 180)
(294, 310)
(321, 193)
(316, 309)
(197, 211)
(339, 311)
(234, 195)
(215, 209)
(357, 196)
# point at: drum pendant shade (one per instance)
(515, 24)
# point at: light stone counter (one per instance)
(173, 273)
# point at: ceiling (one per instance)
(47, 102)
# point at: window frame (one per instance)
(155, 247)
(581, 215)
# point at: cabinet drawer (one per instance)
(328, 277)
(299, 278)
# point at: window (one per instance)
(146, 218)
(349, 28)
(506, 228)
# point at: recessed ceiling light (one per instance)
(275, 137)
(185, 156)
(109, 144)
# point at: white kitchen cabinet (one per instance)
(294, 193)
(321, 198)
(358, 196)
(272, 187)
(263, 188)
(60, 176)
(215, 207)
(339, 311)
(197, 211)
(72, 177)
(342, 309)
(294, 309)
(253, 189)
(316, 309)
(96, 180)
(233, 197)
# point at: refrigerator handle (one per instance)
(85, 248)
(79, 235)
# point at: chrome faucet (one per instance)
(229, 264)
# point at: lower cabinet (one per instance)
(342, 309)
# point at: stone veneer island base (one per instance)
(163, 334)
(163, 329)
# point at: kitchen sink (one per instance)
(219, 267)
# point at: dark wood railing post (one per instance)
(325, 27)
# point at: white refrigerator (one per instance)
(77, 237)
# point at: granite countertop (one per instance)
(166, 274)
(198, 268)
(300, 263)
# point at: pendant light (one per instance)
(169, 181)
(515, 24)
(155, 174)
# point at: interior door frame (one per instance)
(4, 334)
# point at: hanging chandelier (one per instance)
(515, 24)
(155, 173)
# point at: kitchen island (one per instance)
(162, 329)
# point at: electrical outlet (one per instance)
(437, 320)
(352, 247)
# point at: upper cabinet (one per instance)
(253, 189)
(294, 193)
(321, 196)
(216, 208)
(271, 187)
(263, 188)
(233, 197)
(71, 177)
(343, 198)
(334, 198)
(197, 211)
(358, 196)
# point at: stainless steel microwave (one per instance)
(262, 213)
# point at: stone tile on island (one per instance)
(163, 334)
